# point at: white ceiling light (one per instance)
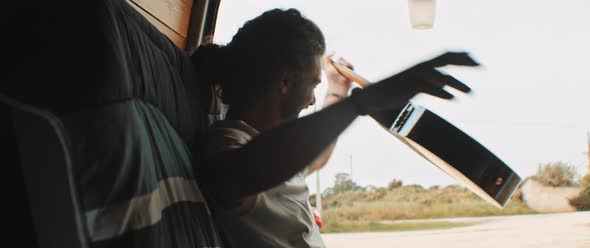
(422, 13)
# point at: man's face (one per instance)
(301, 92)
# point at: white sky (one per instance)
(530, 103)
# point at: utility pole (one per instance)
(351, 179)
(588, 153)
(318, 193)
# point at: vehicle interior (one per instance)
(95, 142)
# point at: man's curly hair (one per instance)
(275, 41)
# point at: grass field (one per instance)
(359, 226)
(366, 210)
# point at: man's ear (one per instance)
(285, 82)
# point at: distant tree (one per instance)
(328, 192)
(394, 184)
(434, 188)
(343, 183)
(556, 174)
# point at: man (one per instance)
(280, 216)
(267, 75)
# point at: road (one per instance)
(538, 231)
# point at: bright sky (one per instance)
(531, 99)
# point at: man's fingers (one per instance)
(453, 58)
(438, 92)
(326, 61)
(453, 82)
(343, 62)
(443, 79)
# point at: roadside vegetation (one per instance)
(349, 207)
(363, 226)
(560, 174)
(556, 174)
(582, 201)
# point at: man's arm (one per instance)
(277, 154)
(322, 159)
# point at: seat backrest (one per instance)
(130, 104)
(47, 177)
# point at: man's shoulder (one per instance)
(228, 134)
(234, 125)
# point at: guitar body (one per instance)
(453, 151)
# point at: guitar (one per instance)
(447, 147)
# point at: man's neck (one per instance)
(260, 116)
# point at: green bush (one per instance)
(585, 182)
(582, 201)
(556, 174)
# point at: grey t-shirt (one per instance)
(279, 217)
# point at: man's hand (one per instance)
(338, 85)
(397, 90)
